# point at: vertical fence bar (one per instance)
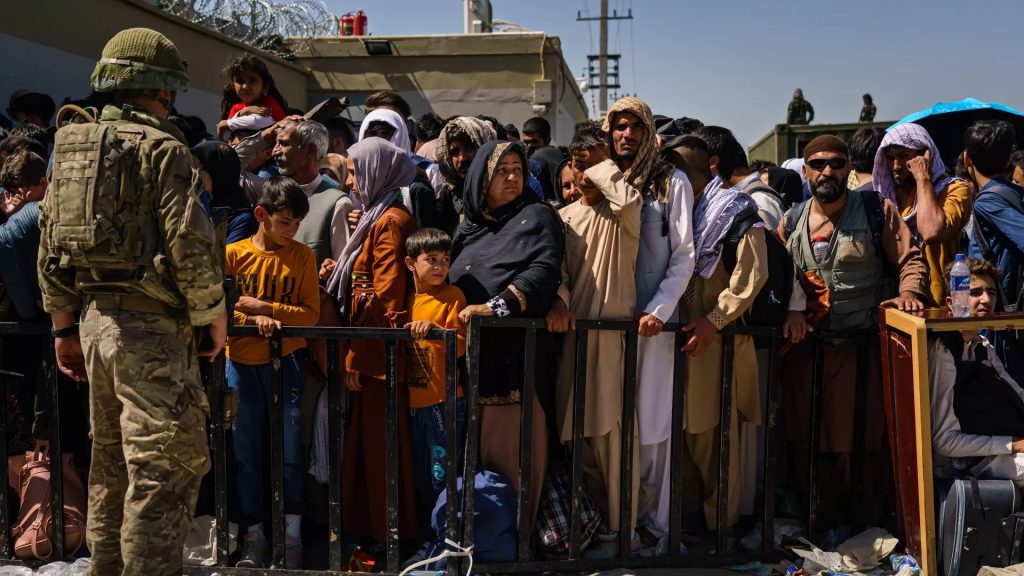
(276, 414)
(817, 382)
(391, 452)
(5, 525)
(218, 445)
(56, 460)
(451, 441)
(472, 432)
(578, 415)
(675, 529)
(628, 423)
(526, 444)
(724, 429)
(859, 423)
(334, 431)
(768, 474)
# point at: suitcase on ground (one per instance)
(980, 525)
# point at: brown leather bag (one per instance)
(34, 528)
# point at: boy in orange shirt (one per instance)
(277, 279)
(437, 305)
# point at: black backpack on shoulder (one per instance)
(772, 303)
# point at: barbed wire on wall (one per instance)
(263, 24)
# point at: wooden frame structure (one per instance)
(909, 420)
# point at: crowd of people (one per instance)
(424, 222)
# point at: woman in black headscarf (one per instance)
(222, 169)
(506, 259)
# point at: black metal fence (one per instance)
(457, 529)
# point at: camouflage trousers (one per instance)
(149, 453)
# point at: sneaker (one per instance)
(292, 554)
(254, 551)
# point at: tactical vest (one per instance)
(315, 229)
(100, 206)
(853, 269)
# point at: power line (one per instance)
(603, 58)
(632, 52)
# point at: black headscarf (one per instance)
(221, 162)
(519, 243)
(788, 184)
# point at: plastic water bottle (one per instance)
(960, 287)
(820, 249)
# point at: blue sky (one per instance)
(736, 62)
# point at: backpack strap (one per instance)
(875, 211)
(757, 187)
(744, 221)
(989, 255)
(792, 218)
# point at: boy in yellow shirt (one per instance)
(436, 305)
(277, 280)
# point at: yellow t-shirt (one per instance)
(426, 362)
(956, 201)
(287, 278)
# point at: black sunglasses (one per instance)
(819, 164)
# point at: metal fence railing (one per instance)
(459, 530)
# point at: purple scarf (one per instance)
(914, 137)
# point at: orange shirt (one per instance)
(956, 201)
(287, 278)
(426, 363)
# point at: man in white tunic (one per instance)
(663, 269)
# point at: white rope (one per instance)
(459, 551)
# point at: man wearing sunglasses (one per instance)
(867, 260)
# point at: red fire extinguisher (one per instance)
(360, 24)
(347, 27)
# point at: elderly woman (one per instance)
(371, 286)
(506, 259)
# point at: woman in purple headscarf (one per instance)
(370, 285)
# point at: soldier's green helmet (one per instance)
(140, 58)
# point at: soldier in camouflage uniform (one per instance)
(125, 240)
(800, 110)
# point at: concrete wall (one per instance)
(489, 74)
(51, 46)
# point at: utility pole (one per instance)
(603, 58)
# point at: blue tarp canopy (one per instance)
(947, 122)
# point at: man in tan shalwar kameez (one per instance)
(601, 244)
(715, 299)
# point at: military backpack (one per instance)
(101, 218)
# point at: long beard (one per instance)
(827, 191)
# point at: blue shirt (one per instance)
(1002, 226)
(19, 248)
